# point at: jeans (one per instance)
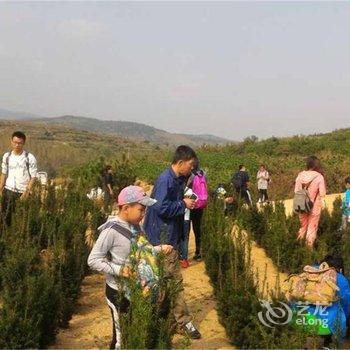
(183, 244)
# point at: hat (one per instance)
(135, 194)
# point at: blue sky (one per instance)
(232, 69)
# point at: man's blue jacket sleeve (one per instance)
(165, 206)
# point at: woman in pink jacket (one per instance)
(314, 181)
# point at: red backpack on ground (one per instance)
(200, 188)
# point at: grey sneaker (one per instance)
(191, 331)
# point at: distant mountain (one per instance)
(131, 130)
(11, 115)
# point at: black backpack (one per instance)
(237, 180)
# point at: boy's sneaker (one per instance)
(197, 256)
(191, 331)
(184, 263)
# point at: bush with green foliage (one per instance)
(276, 233)
(228, 265)
(42, 265)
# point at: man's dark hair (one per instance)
(184, 153)
(335, 261)
(241, 166)
(20, 135)
(347, 180)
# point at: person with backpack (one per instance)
(111, 252)
(240, 181)
(200, 188)
(164, 225)
(309, 193)
(184, 238)
(18, 174)
(263, 178)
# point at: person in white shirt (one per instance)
(263, 183)
(18, 174)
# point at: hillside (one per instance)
(11, 115)
(284, 157)
(56, 146)
(131, 130)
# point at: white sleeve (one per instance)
(3, 164)
(33, 167)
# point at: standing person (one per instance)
(164, 223)
(184, 237)
(196, 188)
(313, 181)
(240, 182)
(200, 188)
(263, 178)
(18, 174)
(107, 187)
(112, 248)
(346, 206)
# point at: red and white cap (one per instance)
(135, 194)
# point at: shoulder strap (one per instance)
(27, 163)
(121, 229)
(308, 185)
(7, 161)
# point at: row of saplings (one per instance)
(237, 294)
(42, 263)
(43, 258)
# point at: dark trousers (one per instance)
(118, 305)
(8, 205)
(107, 200)
(263, 195)
(196, 218)
(244, 194)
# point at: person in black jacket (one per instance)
(107, 186)
(240, 182)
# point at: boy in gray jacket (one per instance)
(111, 250)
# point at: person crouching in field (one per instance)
(164, 224)
(112, 248)
(313, 181)
(18, 174)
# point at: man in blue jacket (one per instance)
(164, 224)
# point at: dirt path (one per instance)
(267, 276)
(90, 327)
